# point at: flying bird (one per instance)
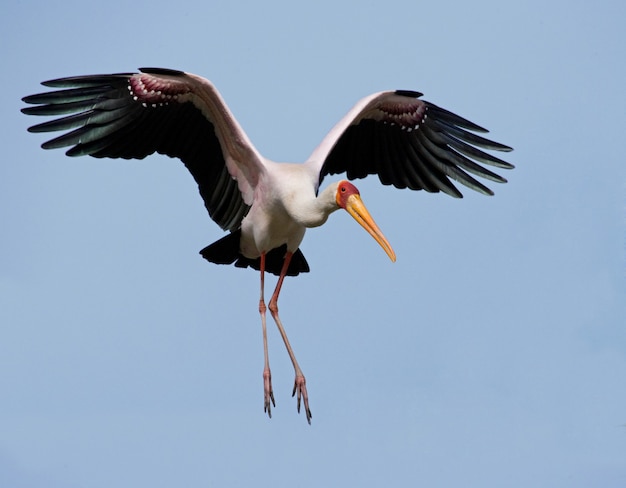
(266, 206)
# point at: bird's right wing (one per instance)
(132, 115)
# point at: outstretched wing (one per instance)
(408, 143)
(132, 115)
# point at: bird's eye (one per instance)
(343, 189)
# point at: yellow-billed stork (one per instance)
(266, 206)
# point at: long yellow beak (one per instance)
(356, 208)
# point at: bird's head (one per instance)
(349, 198)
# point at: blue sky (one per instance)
(493, 353)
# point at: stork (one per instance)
(266, 206)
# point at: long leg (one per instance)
(300, 381)
(267, 374)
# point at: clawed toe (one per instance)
(268, 393)
(299, 386)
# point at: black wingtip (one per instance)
(162, 71)
(409, 93)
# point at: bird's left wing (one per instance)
(132, 115)
(408, 143)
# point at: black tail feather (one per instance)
(226, 251)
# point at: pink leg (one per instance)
(267, 374)
(300, 381)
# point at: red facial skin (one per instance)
(344, 191)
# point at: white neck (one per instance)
(313, 212)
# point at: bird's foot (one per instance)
(300, 387)
(267, 391)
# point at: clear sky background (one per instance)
(493, 353)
